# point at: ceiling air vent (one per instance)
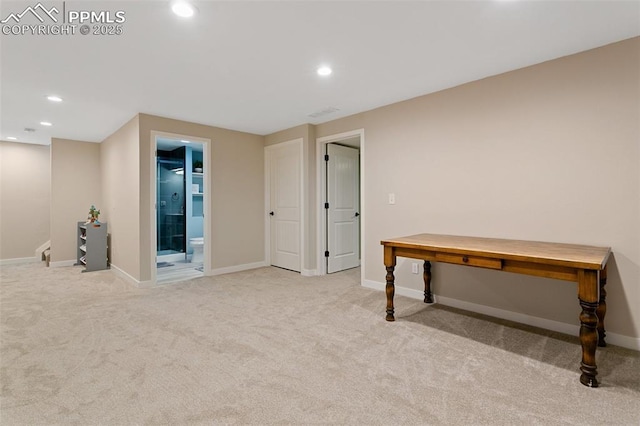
(326, 111)
(29, 129)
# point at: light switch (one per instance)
(392, 198)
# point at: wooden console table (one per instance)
(585, 265)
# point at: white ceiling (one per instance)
(250, 66)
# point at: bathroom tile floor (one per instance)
(179, 271)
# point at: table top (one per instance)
(571, 255)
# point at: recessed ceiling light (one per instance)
(11, 138)
(46, 123)
(54, 98)
(183, 9)
(324, 71)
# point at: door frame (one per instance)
(321, 189)
(206, 152)
(267, 201)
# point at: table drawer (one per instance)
(461, 259)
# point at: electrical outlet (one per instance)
(414, 268)
(392, 198)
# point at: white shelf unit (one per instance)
(197, 197)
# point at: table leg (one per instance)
(428, 296)
(390, 289)
(390, 264)
(602, 308)
(588, 290)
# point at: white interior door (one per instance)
(285, 175)
(343, 197)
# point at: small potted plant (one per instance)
(197, 166)
(93, 216)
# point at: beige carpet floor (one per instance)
(270, 347)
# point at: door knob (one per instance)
(357, 214)
(271, 213)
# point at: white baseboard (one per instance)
(60, 263)
(572, 329)
(624, 341)
(400, 291)
(145, 284)
(124, 275)
(19, 260)
(309, 272)
(236, 268)
(218, 271)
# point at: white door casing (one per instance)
(343, 198)
(285, 204)
(152, 247)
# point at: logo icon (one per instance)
(38, 11)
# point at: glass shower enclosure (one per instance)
(171, 203)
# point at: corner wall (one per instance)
(119, 159)
(236, 178)
(75, 186)
(25, 199)
(549, 153)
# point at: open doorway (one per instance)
(342, 205)
(180, 193)
(340, 181)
